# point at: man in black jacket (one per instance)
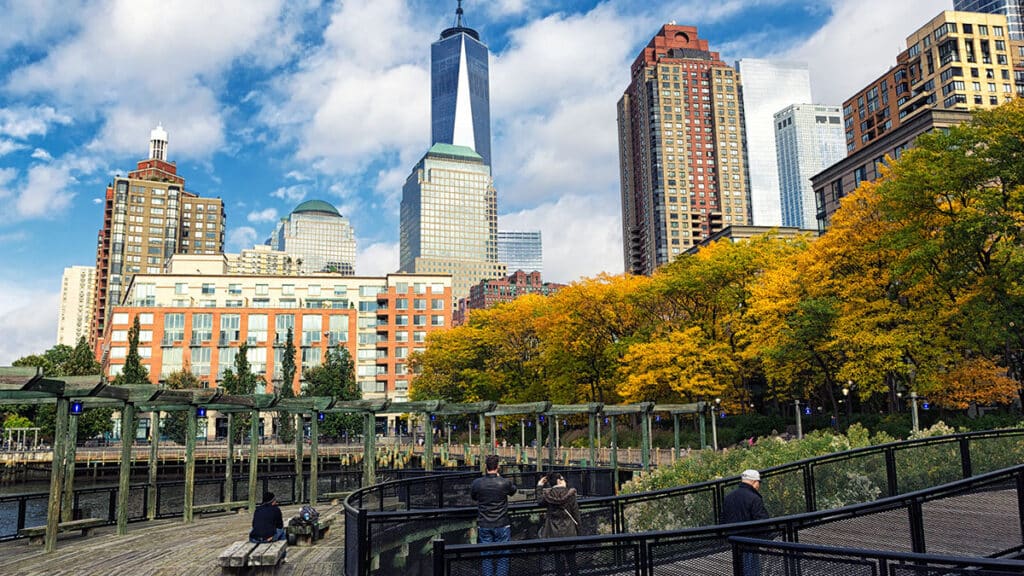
(491, 493)
(267, 523)
(745, 504)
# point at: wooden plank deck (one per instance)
(168, 548)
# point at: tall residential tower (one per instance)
(809, 138)
(77, 297)
(680, 149)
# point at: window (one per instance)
(257, 329)
(171, 362)
(437, 303)
(145, 336)
(313, 290)
(208, 288)
(437, 320)
(262, 289)
(419, 320)
(338, 329)
(226, 360)
(118, 352)
(234, 289)
(181, 288)
(174, 328)
(119, 336)
(419, 304)
(202, 328)
(310, 357)
(200, 361)
(146, 318)
(230, 325)
(120, 318)
(288, 289)
(311, 328)
(401, 303)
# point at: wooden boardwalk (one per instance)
(168, 548)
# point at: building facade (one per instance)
(957, 61)
(521, 250)
(1012, 9)
(148, 217)
(491, 292)
(681, 162)
(262, 260)
(318, 237)
(808, 139)
(832, 184)
(460, 101)
(768, 86)
(449, 219)
(77, 298)
(198, 322)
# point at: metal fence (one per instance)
(754, 556)
(379, 541)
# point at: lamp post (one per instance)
(714, 426)
(799, 420)
(849, 404)
(913, 412)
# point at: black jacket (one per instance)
(743, 505)
(265, 521)
(491, 493)
(563, 517)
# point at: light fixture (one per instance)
(200, 412)
(75, 408)
(321, 416)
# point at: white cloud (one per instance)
(8, 146)
(265, 215)
(582, 235)
(29, 312)
(40, 154)
(21, 122)
(43, 194)
(37, 23)
(859, 43)
(377, 259)
(241, 238)
(291, 194)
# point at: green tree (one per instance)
(134, 373)
(240, 381)
(285, 421)
(176, 422)
(81, 361)
(336, 376)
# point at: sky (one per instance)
(271, 102)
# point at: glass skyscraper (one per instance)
(1012, 9)
(768, 86)
(809, 138)
(521, 251)
(460, 102)
(319, 236)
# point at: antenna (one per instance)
(458, 15)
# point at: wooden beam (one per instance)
(369, 449)
(190, 463)
(68, 501)
(254, 445)
(428, 442)
(517, 409)
(620, 409)
(358, 406)
(314, 456)
(691, 408)
(18, 376)
(229, 463)
(154, 454)
(467, 409)
(124, 479)
(300, 437)
(54, 387)
(425, 406)
(60, 427)
(568, 409)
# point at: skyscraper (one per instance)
(809, 138)
(1012, 9)
(680, 149)
(148, 216)
(77, 295)
(318, 235)
(449, 219)
(460, 102)
(521, 250)
(768, 86)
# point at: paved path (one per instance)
(167, 548)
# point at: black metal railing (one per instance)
(379, 541)
(752, 555)
(980, 517)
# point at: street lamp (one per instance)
(849, 404)
(714, 426)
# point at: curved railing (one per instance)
(380, 542)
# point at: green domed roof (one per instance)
(316, 206)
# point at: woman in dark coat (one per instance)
(563, 517)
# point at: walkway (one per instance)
(167, 548)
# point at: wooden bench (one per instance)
(236, 506)
(36, 534)
(308, 534)
(244, 553)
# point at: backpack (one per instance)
(309, 515)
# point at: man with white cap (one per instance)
(745, 503)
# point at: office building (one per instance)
(521, 250)
(196, 315)
(809, 138)
(148, 216)
(1012, 9)
(768, 86)
(680, 149)
(460, 101)
(318, 237)
(262, 260)
(488, 293)
(449, 219)
(957, 61)
(77, 298)
(744, 233)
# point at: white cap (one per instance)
(751, 475)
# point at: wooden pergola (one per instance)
(28, 386)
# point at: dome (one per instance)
(316, 206)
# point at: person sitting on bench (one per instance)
(267, 523)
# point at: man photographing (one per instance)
(491, 493)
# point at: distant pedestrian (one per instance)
(491, 493)
(745, 504)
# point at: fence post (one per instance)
(124, 478)
(438, 557)
(965, 457)
(916, 527)
(229, 464)
(154, 455)
(810, 494)
(890, 471)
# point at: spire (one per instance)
(458, 15)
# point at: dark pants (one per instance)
(494, 567)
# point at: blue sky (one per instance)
(268, 103)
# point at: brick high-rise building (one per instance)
(148, 217)
(681, 161)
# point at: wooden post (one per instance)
(540, 461)
(127, 439)
(369, 449)
(494, 431)
(314, 455)
(483, 442)
(703, 429)
(60, 428)
(645, 441)
(190, 462)
(68, 502)
(254, 444)
(591, 425)
(300, 437)
(615, 453)
(551, 440)
(675, 431)
(229, 463)
(428, 442)
(154, 452)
